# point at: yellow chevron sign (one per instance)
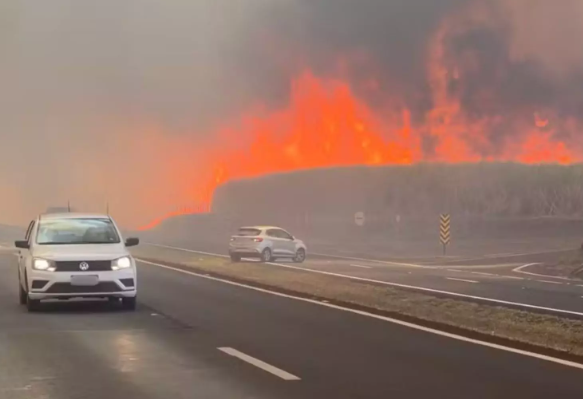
(444, 229)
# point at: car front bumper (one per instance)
(46, 285)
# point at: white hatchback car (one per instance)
(266, 243)
(73, 255)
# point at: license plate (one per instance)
(85, 280)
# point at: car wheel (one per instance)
(129, 303)
(300, 255)
(235, 258)
(22, 294)
(266, 255)
(32, 305)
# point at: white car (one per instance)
(74, 255)
(266, 243)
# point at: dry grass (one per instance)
(540, 330)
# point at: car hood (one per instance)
(80, 251)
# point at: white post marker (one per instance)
(359, 218)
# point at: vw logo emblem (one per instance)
(84, 266)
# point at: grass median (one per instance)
(532, 331)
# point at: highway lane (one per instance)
(495, 282)
(95, 350)
(344, 355)
(169, 348)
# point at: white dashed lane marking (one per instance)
(461, 279)
(284, 375)
(361, 266)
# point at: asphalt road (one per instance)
(170, 346)
(488, 278)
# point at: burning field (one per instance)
(481, 93)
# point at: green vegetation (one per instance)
(485, 190)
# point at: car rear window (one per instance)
(248, 232)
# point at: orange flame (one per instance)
(326, 124)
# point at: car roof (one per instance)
(261, 227)
(73, 215)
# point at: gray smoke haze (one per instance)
(97, 97)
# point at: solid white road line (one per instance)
(510, 277)
(361, 266)
(284, 375)
(549, 282)
(518, 255)
(374, 316)
(519, 269)
(417, 288)
(382, 262)
(461, 279)
(187, 250)
(484, 274)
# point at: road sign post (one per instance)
(444, 231)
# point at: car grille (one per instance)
(74, 266)
(67, 288)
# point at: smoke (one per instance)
(545, 32)
(114, 101)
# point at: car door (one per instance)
(277, 247)
(288, 247)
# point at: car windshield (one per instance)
(76, 231)
(248, 232)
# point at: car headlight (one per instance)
(121, 263)
(41, 264)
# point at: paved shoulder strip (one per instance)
(284, 375)
(378, 317)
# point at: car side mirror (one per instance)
(132, 242)
(23, 244)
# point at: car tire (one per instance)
(129, 303)
(266, 255)
(22, 294)
(300, 256)
(32, 305)
(235, 258)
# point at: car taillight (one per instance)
(258, 239)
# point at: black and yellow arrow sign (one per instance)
(444, 229)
